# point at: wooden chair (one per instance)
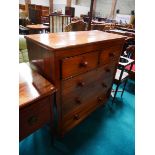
(130, 53)
(122, 75)
(98, 27)
(76, 26)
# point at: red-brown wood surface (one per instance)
(35, 115)
(78, 64)
(37, 26)
(57, 56)
(67, 39)
(36, 98)
(32, 86)
(83, 87)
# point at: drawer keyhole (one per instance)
(76, 117)
(32, 120)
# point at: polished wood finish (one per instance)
(37, 26)
(74, 62)
(122, 32)
(34, 29)
(79, 64)
(54, 41)
(35, 100)
(83, 87)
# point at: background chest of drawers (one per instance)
(81, 65)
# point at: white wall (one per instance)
(37, 2)
(103, 7)
(21, 1)
(84, 3)
(80, 10)
(125, 6)
(60, 1)
(59, 6)
(40, 2)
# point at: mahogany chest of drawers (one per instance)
(81, 65)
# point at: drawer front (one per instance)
(82, 81)
(79, 64)
(34, 116)
(109, 55)
(75, 95)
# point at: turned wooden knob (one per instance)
(77, 100)
(84, 64)
(76, 117)
(99, 99)
(111, 55)
(107, 70)
(104, 85)
(81, 83)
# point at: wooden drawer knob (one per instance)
(111, 55)
(84, 64)
(81, 83)
(99, 99)
(104, 85)
(107, 70)
(32, 120)
(77, 100)
(76, 117)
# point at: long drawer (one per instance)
(79, 64)
(82, 81)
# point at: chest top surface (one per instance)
(71, 39)
(32, 85)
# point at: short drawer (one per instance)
(34, 116)
(79, 64)
(109, 55)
